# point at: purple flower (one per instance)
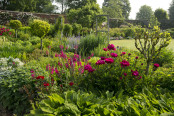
(111, 47)
(125, 74)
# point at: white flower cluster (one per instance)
(6, 65)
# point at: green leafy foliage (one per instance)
(15, 24)
(76, 29)
(90, 42)
(39, 28)
(145, 13)
(67, 31)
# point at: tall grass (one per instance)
(90, 42)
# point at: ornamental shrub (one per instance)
(67, 31)
(58, 27)
(76, 29)
(15, 24)
(39, 28)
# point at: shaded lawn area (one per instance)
(130, 44)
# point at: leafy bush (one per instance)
(67, 31)
(76, 29)
(85, 31)
(39, 28)
(165, 56)
(19, 89)
(15, 24)
(77, 104)
(23, 36)
(34, 40)
(59, 26)
(90, 42)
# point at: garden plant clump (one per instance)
(76, 73)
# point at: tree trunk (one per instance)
(41, 44)
(147, 68)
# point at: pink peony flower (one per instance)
(102, 58)
(156, 65)
(124, 63)
(105, 49)
(109, 60)
(56, 71)
(87, 67)
(114, 55)
(99, 62)
(125, 74)
(111, 47)
(123, 53)
(135, 73)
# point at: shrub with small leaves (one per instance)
(76, 29)
(67, 31)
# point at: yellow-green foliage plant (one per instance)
(39, 28)
(150, 43)
(15, 24)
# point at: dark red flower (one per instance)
(125, 74)
(46, 84)
(136, 57)
(40, 77)
(91, 70)
(71, 83)
(129, 54)
(87, 67)
(123, 53)
(102, 58)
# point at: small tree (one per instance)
(150, 43)
(39, 28)
(145, 13)
(15, 24)
(161, 14)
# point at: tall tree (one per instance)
(64, 4)
(112, 8)
(27, 5)
(171, 10)
(117, 8)
(145, 13)
(125, 6)
(161, 14)
(86, 16)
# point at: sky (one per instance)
(136, 4)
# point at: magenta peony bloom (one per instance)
(124, 63)
(125, 74)
(87, 67)
(135, 73)
(56, 71)
(99, 62)
(102, 58)
(109, 60)
(105, 49)
(156, 65)
(114, 55)
(91, 70)
(123, 53)
(111, 47)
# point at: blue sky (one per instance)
(136, 4)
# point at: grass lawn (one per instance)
(130, 44)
